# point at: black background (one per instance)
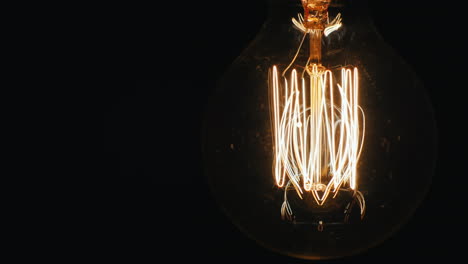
(174, 51)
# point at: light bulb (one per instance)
(319, 141)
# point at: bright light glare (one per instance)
(318, 131)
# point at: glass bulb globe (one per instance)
(319, 141)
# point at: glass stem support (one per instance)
(315, 50)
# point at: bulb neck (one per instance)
(285, 9)
(315, 19)
(315, 13)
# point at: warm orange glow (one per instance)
(317, 122)
(318, 131)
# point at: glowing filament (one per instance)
(318, 131)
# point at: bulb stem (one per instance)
(315, 50)
(315, 18)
